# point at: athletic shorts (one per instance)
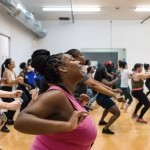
(105, 101)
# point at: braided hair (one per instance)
(47, 65)
(73, 52)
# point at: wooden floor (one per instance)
(129, 135)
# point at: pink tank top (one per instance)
(79, 139)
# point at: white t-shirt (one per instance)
(125, 75)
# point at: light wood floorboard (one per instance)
(129, 135)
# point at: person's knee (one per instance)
(117, 113)
(130, 101)
(147, 103)
(147, 106)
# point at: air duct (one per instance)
(17, 11)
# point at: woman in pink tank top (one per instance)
(57, 119)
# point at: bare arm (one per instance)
(10, 106)
(110, 83)
(13, 94)
(142, 75)
(110, 75)
(40, 117)
(99, 87)
(23, 83)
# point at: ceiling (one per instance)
(110, 9)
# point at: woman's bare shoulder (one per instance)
(53, 97)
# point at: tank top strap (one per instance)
(71, 98)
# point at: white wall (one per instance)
(131, 35)
(22, 41)
(61, 36)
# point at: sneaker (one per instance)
(134, 115)
(107, 131)
(140, 120)
(5, 129)
(102, 123)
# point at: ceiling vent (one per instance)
(17, 11)
(64, 18)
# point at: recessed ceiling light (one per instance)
(142, 9)
(75, 9)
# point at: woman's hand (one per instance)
(19, 80)
(15, 94)
(13, 105)
(76, 118)
(29, 87)
(119, 98)
(84, 99)
(117, 90)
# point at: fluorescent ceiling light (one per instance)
(86, 9)
(75, 9)
(142, 9)
(56, 9)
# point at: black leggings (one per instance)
(143, 100)
(26, 96)
(9, 113)
(126, 93)
(148, 86)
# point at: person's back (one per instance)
(125, 76)
(105, 101)
(43, 86)
(30, 74)
(30, 77)
(147, 82)
(137, 92)
(99, 75)
(81, 88)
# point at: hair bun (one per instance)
(43, 52)
(39, 59)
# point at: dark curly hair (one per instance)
(73, 52)
(146, 66)
(22, 65)
(122, 64)
(47, 65)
